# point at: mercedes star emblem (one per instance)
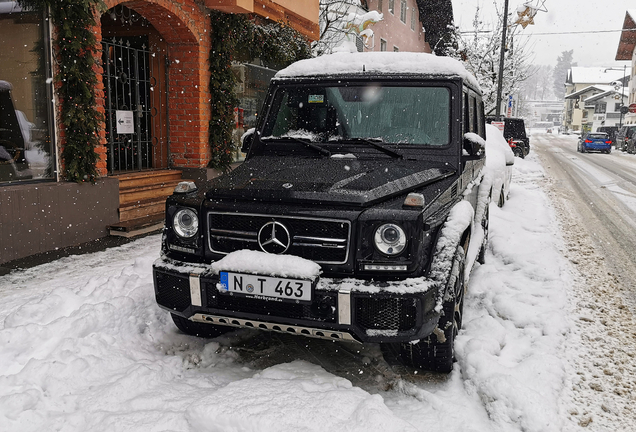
(274, 238)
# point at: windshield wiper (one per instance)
(372, 142)
(309, 144)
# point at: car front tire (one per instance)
(436, 352)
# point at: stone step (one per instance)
(136, 227)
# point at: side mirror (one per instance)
(247, 139)
(474, 148)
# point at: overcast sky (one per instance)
(563, 16)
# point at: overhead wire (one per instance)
(555, 33)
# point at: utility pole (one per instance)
(620, 119)
(501, 58)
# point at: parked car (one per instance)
(499, 162)
(350, 218)
(595, 142)
(610, 131)
(625, 138)
(515, 133)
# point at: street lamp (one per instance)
(624, 110)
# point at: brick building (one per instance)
(152, 87)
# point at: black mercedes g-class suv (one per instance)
(352, 216)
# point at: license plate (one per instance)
(265, 287)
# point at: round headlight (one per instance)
(390, 239)
(185, 223)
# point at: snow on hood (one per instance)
(378, 63)
(255, 262)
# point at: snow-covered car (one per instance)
(499, 162)
(351, 217)
(597, 141)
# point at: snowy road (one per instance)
(595, 199)
(601, 192)
(547, 345)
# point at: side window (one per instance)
(465, 115)
(472, 114)
(481, 127)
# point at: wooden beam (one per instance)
(306, 25)
(231, 6)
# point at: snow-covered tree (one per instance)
(479, 50)
(538, 85)
(342, 22)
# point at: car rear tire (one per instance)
(436, 352)
(198, 329)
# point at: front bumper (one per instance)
(343, 309)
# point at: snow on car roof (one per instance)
(393, 63)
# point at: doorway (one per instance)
(135, 90)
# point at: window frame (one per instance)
(403, 10)
(413, 18)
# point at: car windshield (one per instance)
(360, 112)
(597, 136)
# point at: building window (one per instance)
(600, 108)
(413, 18)
(26, 145)
(403, 11)
(392, 6)
(359, 44)
(380, 5)
(382, 45)
(395, 49)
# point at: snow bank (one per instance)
(378, 62)
(511, 348)
(296, 396)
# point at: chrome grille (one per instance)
(324, 241)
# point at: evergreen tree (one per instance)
(437, 18)
(564, 63)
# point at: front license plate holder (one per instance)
(268, 288)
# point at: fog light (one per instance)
(385, 267)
